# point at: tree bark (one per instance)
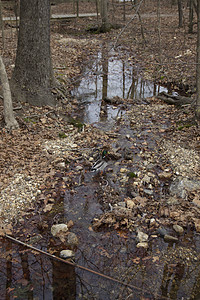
(180, 13)
(191, 14)
(9, 118)
(198, 62)
(105, 26)
(33, 74)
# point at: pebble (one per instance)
(142, 245)
(169, 238)
(148, 192)
(58, 228)
(178, 229)
(79, 168)
(142, 237)
(67, 254)
(152, 222)
(123, 170)
(162, 232)
(72, 239)
(130, 203)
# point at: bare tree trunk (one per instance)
(124, 10)
(180, 13)
(2, 26)
(10, 120)
(191, 15)
(159, 30)
(105, 26)
(32, 78)
(198, 62)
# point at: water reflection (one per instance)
(27, 275)
(110, 76)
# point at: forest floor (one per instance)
(34, 160)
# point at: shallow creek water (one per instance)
(156, 273)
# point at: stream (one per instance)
(158, 272)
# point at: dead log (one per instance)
(175, 100)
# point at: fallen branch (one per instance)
(175, 100)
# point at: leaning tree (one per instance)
(32, 77)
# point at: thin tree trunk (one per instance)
(180, 13)
(10, 120)
(159, 29)
(198, 62)
(2, 26)
(191, 14)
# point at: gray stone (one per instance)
(162, 232)
(172, 201)
(178, 229)
(181, 186)
(79, 168)
(146, 179)
(148, 192)
(58, 228)
(142, 237)
(122, 204)
(67, 254)
(170, 239)
(142, 245)
(72, 239)
(165, 175)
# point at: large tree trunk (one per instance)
(33, 76)
(10, 121)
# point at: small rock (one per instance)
(146, 179)
(74, 145)
(169, 238)
(122, 204)
(152, 222)
(162, 232)
(72, 239)
(165, 175)
(79, 168)
(196, 202)
(61, 165)
(172, 200)
(123, 170)
(142, 237)
(130, 203)
(148, 192)
(197, 224)
(142, 245)
(181, 186)
(178, 229)
(67, 253)
(58, 228)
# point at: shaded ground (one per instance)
(46, 178)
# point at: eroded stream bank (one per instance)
(121, 218)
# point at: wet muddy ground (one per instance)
(107, 210)
(153, 148)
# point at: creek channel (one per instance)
(155, 273)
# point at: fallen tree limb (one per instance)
(175, 100)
